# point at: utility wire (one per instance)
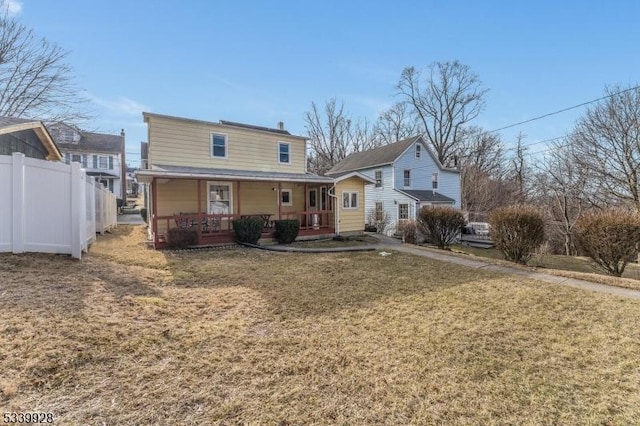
(564, 109)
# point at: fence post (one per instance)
(76, 210)
(17, 202)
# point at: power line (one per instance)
(564, 109)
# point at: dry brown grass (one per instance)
(229, 336)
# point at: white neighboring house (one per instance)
(408, 177)
(102, 155)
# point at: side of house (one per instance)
(407, 177)
(206, 174)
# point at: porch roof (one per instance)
(427, 196)
(183, 172)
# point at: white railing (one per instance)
(50, 207)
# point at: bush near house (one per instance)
(181, 238)
(248, 230)
(610, 238)
(287, 230)
(143, 213)
(517, 231)
(441, 225)
(408, 229)
(379, 220)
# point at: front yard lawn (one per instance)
(134, 336)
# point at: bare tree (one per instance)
(451, 97)
(481, 160)
(35, 80)
(481, 150)
(561, 185)
(333, 135)
(606, 142)
(520, 169)
(396, 123)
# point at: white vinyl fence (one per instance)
(51, 207)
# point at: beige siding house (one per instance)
(206, 174)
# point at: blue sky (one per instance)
(262, 62)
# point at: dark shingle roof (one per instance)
(252, 127)
(428, 196)
(95, 142)
(373, 157)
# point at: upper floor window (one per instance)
(418, 150)
(378, 177)
(434, 181)
(284, 153)
(407, 178)
(103, 162)
(218, 145)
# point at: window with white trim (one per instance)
(378, 178)
(218, 145)
(286, 197)
(219, 197)
(434, 181)
(403, 211)
(418, 150)
(407, 178)
(284, 153)
(349, 200)
(103, 162)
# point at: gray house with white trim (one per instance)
(408, 176)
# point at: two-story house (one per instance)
(407, 177)
(102, 155)
(205, 174)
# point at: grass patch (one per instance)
(249, 336)
(358, 240)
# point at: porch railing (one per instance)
(204, 224)
(209, 226)
(321, 219)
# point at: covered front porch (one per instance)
(209, 206)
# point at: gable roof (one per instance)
(383, 155)
(95, 142)
(373, 157)
(10, 125)
(427, 195)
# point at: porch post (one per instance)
(280, 200)
(238, 197)
(154, 215)
(304, 207)
(199, 196)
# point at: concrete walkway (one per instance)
(130, 219)
(388, 243)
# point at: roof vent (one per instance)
(280, 125)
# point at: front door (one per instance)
(312, 206)
(312, 200)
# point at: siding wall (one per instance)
(422, 170)
(389, 197)
(351, 220)
(183, 143)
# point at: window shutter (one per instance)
(110, 162)
(84, 160)
(95, 161)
